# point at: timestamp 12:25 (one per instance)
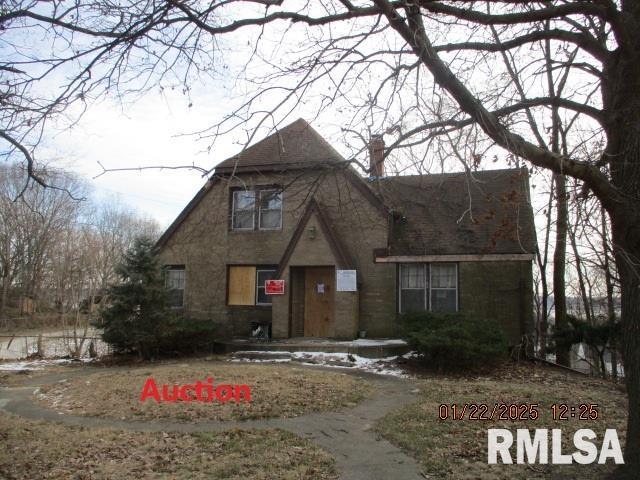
(583, 411)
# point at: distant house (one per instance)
(353, 252)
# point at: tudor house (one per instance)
(353, 252)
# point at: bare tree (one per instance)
(34, 218)
(382, 65)
(57, 251)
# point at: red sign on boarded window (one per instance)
(274, 287)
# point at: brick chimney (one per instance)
(376, 156)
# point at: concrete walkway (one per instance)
(348, 435)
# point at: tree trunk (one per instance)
(4, 296)
(542, 266)
(559, 263)
(611, 311)
(629, 291)
(622, 124)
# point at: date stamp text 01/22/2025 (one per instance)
(541, 445)
(515, 411)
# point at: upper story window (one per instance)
(259, 209)
(174, 283)
(426, 286)
(270, 210)
(244, 210)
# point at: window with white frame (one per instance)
(425, 286)
(270, 214)
(262, 275)
(243, 210)
(174, 282)
(413, 286)
(444, 291)
(257, 209)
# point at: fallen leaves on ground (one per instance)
(276, 391)
(38, 450)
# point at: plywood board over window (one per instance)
(242, 285)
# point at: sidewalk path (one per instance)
(360, 454)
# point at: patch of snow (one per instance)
(37, 364)
(370, 342)
(381, 366)
(260, 360)
(262, 352)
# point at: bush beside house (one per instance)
(455, 341)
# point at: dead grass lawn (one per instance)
(457, 449)
(276, 391)
(38, 450)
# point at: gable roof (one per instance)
(337, 248)
(485, 212)
(297, 145)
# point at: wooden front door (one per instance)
(319, 294)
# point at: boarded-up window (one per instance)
(242, 285)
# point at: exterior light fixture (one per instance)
(311, 232)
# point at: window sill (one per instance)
(264, 230)
(260, 306)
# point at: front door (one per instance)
(319, 291)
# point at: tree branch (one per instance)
(587, 43)
(413, 32)
(528, 16)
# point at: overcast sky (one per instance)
(150, 131)
(146, 132)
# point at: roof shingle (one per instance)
(294, 146)
(457, 213)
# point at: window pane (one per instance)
(174, 282)
(443, 300)
(176, 298)
(270, 209)
(412, 300)
(412, 275)
(244, 199)
(270, 219)
(443, 275)
(262, 277)
(175, 279)
(270, 200)
(243, 219)
(243, 209)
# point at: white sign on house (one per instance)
(346, 281)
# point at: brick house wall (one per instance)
(206, 246)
